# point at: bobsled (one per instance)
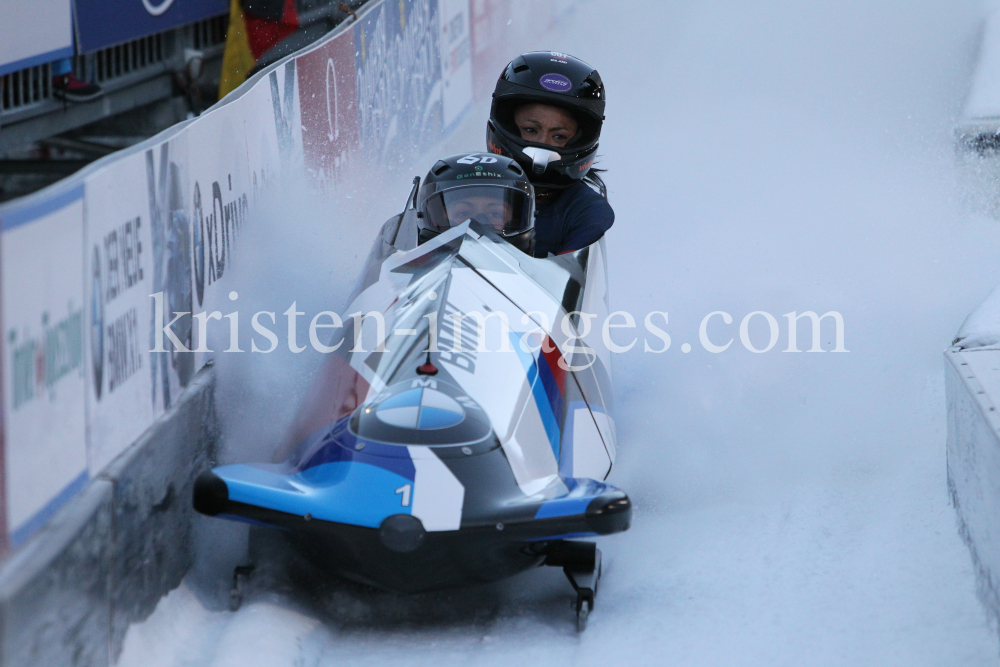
(468, 441)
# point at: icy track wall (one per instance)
(101, 435)
(972, 383)
(972, 386)
(972, 363)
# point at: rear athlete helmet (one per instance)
(491, 189)
(553, 78)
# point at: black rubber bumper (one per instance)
(609, 513)
(211, 495)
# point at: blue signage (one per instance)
(101, 23)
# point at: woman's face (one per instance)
(485, 208)
(545, 124)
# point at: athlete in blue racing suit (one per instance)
(547, 113)
(570, 219)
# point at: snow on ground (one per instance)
(790, 508)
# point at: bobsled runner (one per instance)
(456, 452)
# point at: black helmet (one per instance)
(562, 81)
(492, 189)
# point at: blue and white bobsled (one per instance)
(413, 471)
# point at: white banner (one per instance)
(120, 264)
(34, 32)
(41, 262)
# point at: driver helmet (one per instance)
(559, 80)
(491, 189)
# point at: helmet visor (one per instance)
(506, 210)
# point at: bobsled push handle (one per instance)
(411, 201)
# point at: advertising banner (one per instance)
(34, 32)
(456, 59)
(488, 22)
(398, 63)
(329, 110)
(41, 263)
(233, 155)
(170, 290)
(135, 232)
(162, 236)
(101, 23)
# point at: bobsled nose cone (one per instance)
(211, 495)
(402, 533)
(609, 513)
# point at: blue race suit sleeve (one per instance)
(589, 215)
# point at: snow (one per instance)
(790, 508)
(182, 632)
(981, 328)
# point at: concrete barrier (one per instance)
(55, 595)
(151, 505)
(106, 558)
(972, 382)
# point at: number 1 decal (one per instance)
(405, 490)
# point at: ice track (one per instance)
(791, 509)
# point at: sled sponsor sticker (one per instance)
(557, 83)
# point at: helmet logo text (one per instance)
(473, 159)
(557, 83)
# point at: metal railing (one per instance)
(28, 95)
(25, 87)
(116, 61)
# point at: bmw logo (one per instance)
(421, 408)
(421, 411)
